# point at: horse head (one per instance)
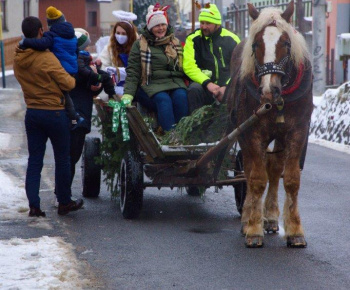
(271, 51)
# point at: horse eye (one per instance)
(254, 46)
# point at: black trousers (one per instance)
(198, 97)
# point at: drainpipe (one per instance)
(2, 53)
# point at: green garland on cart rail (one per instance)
(112, 151)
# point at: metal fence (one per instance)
(239, 21)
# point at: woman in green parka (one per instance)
(155, 70)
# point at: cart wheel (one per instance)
(240, 188)
(131, 185)
(90, 171)
(193, 190)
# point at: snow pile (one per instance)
(44, 263)
(331, 118)
(13, 202)
(41, 263)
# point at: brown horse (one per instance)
(271, 66)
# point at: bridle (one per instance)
(283, 67)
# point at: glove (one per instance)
(127, 99)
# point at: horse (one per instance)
(272, 65)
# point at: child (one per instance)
(83, 94)
(88, 74)
(60, 40)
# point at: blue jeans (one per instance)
(170, 106)
(42, 125)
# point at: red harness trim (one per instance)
(292, 88)
(296, 83)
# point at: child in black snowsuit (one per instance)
(89, 83)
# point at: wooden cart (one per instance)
(147, 163)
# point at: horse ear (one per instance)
(252, 11)
(287, 14)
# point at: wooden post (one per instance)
(2, 52)
(193, 15)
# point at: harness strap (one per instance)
(296, 90)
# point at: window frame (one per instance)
(3, 4)
(26, 8)
(92, 19)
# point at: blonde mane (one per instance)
(299, 50)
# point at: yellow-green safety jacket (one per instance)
(211, 53)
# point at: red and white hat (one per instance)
(156, 15)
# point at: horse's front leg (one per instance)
(292, 223)
(275, 164)
(256, 184)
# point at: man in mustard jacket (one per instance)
(43, 79)
(207, 55)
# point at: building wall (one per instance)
(15, 17)
(106, 16)
(12, 35)
(342, 20)
(68, 7)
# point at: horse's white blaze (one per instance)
(271, 36)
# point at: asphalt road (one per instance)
(184, 242)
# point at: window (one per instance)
(3, 5)
(92, 18)
(26, 8)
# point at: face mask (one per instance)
(121, 39)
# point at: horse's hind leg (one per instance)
(292, 223)
(274, 168)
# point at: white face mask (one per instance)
(121, 39)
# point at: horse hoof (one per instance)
(296, 242)
(243, 229)
(254, 241)
(271, 226)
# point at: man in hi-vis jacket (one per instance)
(207, 55)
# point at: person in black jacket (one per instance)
(89, 83)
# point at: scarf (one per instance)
(173, 50)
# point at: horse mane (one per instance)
(299, 49)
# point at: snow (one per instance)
(345, 36)
(331, 118)
(50, 262)
(7, 73)
(40, 263)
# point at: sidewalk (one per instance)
(33, 251)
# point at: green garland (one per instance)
(112, 150)
(205, 125)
